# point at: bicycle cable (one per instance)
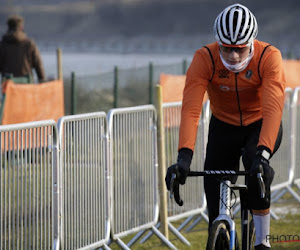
(232, 192)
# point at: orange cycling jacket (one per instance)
(235, 98)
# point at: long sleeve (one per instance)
(193, 94)
(37, 63)
(273, 93)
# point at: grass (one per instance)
(288, 224)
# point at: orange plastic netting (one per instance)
(172, 87)
(292, 73)
(32, 102)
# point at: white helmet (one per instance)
(235, 25)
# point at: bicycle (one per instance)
(222, 234)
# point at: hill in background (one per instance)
(146, 25)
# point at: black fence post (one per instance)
(150, 83)
(116, 87)
(73, 95)
(184, 67)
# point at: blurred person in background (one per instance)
(245, 82)
(18, 53)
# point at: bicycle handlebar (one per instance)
(217, 172)
(174, 184)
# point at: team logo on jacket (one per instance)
(223, 73)
(225, 88)
(248, 74)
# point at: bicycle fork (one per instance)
(225, 210)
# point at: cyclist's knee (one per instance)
(254, 195)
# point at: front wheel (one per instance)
(218, 238)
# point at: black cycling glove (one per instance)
(261, 165)
(181, 168)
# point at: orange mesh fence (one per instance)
(33, 102)
(172, 88)
(172, 91)
(292, 73)
(21, 140)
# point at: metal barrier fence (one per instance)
(296, 173)
(84, 207)
(280, 162)
(107, 179)
(27, 185)
(193, 204)
(284, 161)
(133, 173)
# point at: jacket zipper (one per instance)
(238, 99)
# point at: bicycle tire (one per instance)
(251, 237)
(218, 237)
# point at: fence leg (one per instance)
(274, 216)
(106, 247)
(149, 234)
(278, 196)
(173, 230)
(163, 238)
(122, 244)
(178, 234)
(236, 209)
(135, 238)
(202, 215)
(293, 193)
(183, 224)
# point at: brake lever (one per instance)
(171, 185)
(261, 185)
(174, 190)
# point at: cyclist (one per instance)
(245, 83)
